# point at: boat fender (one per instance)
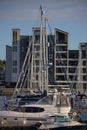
(74, 114)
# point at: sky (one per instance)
(67, 15)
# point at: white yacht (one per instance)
(50, 112)
(32, 114)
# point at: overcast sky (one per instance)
(67, 15)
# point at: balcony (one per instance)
(61, 42)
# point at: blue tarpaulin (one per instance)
(84, 116)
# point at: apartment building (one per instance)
(70, 66)
(60, 58)
(8, 64)
(47, 55)
(73, 58)
(35, 57)
(15, 56)
(2, 79)
(39, 59)
(51, 60)
(65, 68)
(82, 68)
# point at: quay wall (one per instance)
(6, 91)
(9, 91)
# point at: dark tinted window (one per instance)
(34, 109)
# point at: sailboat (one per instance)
(23, 94)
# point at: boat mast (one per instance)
(43, 52)
(41, 36)
(46, 55)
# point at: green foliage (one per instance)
(2, 65)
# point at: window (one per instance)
(61, 48)
(73, 55)
(37, 62)
(14, 43)
(34, 109)
(84, 63)
(84, 78)
(36, 77)
(36, 32)
(37, 69)
(72, 70)
(37, 39)
(50, 56)
(37, 48)
(58, 70)
(37, 55)
(22, 49)
(50, 49)
(14, 36)
(14, 48)
(84, 70)
(60, 78)
(73, 63)
(14, 70)
(62, 55)
(83, 45)
(83, 53)
(61, 37)
(14, 63)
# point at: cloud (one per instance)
(55, 9)
(19, 14)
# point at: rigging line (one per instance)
(50, 67)
(63, 68)
(76, 71)
(50, 79)
(76, 74)
(53, 40)
(21, 73)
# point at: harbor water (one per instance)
(2, 100)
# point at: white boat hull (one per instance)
(15, 119)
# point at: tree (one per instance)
(2, 65)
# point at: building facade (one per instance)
(66, 68)
(8, 64)
(60, 58)
(82, 67)
(15, 56)
(73, 56)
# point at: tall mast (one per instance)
(41, 41)
(43, 52)
(46, 55)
